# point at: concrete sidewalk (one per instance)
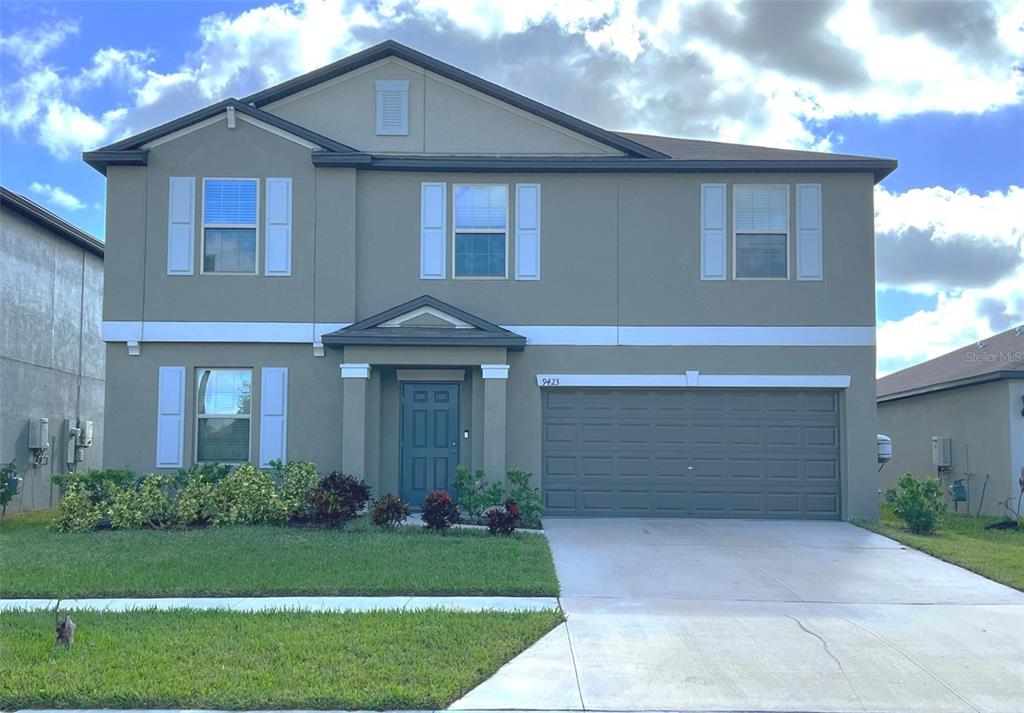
(317, 604)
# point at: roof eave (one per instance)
(101, 159)
(54, 223)
(948, 385)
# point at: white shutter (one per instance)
(712, 231)
(433, 226)
(527, 231)
(181, 213)
(273, 414)
(808, 231)
(278, 243)
(170, 420)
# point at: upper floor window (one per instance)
(230, 210)
(761, 232)
(223, 412)
(392, 107)
(481, 231)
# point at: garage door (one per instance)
(698, 453)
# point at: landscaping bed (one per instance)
(357, 559)
(282, 660)
(964, 541)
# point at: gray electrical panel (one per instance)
(39, 434)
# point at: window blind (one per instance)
(480, 207)
(230, 202)
(761, 208)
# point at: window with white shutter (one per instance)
(712, 231)
(808, 231)
(277, 245)
(433, 227)
(761, 232)
(181, 225)
(273, 415)
(527, 231)
(230, 210)
(170, 418)
(223, 412)
(392, 107)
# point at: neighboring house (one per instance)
(973, 396)
(652, 326)
(51, 354)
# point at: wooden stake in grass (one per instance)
(65, 628)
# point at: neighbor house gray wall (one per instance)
(979, 420)
(51, 354)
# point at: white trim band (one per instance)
(251, 332)
(537, 335)
(694, 379)
(494, 371)
(355, 371)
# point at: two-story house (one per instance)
(391, 267)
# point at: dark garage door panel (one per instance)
(699, 453)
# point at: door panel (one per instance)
(429, 442)
(700, 452)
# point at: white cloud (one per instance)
(66, 130)
(964, 248)
(30, 46)
(55, 195)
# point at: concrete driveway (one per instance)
(729, 615)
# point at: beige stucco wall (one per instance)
(444, 117)
(976, 418)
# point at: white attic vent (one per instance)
(392, 107)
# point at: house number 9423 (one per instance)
(549, 381)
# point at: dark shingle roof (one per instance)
(998, 357)
(699, 150)
(54, 223)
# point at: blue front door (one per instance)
(429, 439)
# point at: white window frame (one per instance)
(789, 231)
(484, 231)
(203, 226)
(252, 392)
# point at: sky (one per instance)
(938, 86)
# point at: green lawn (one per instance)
(964, 541)
(285, 660)
(359, 560)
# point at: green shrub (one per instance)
(917, 502)
(248, 497)
(339, 497)
(76, 511)
(196, 504)
(475, 493)
(299, 479)
(149, 504)
(100, 486)
(390, 511)
(206, 472)
(439, 510)
(526, 496)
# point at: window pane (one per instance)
(761, 208)
(480, 254)
(224, 391)
(480, 206)
(223, 439)
(760, 255)
(230, 250)
(229, 201)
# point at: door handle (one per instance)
(455, 446)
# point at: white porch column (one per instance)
(354, 379)
(495, 393)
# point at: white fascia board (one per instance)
(253, 332)
(551, 335)
(736, 381)
(748, 336)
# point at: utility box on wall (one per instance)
(942, 452)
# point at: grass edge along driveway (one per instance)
(963, 540)
(187, 659)
(360, 559)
